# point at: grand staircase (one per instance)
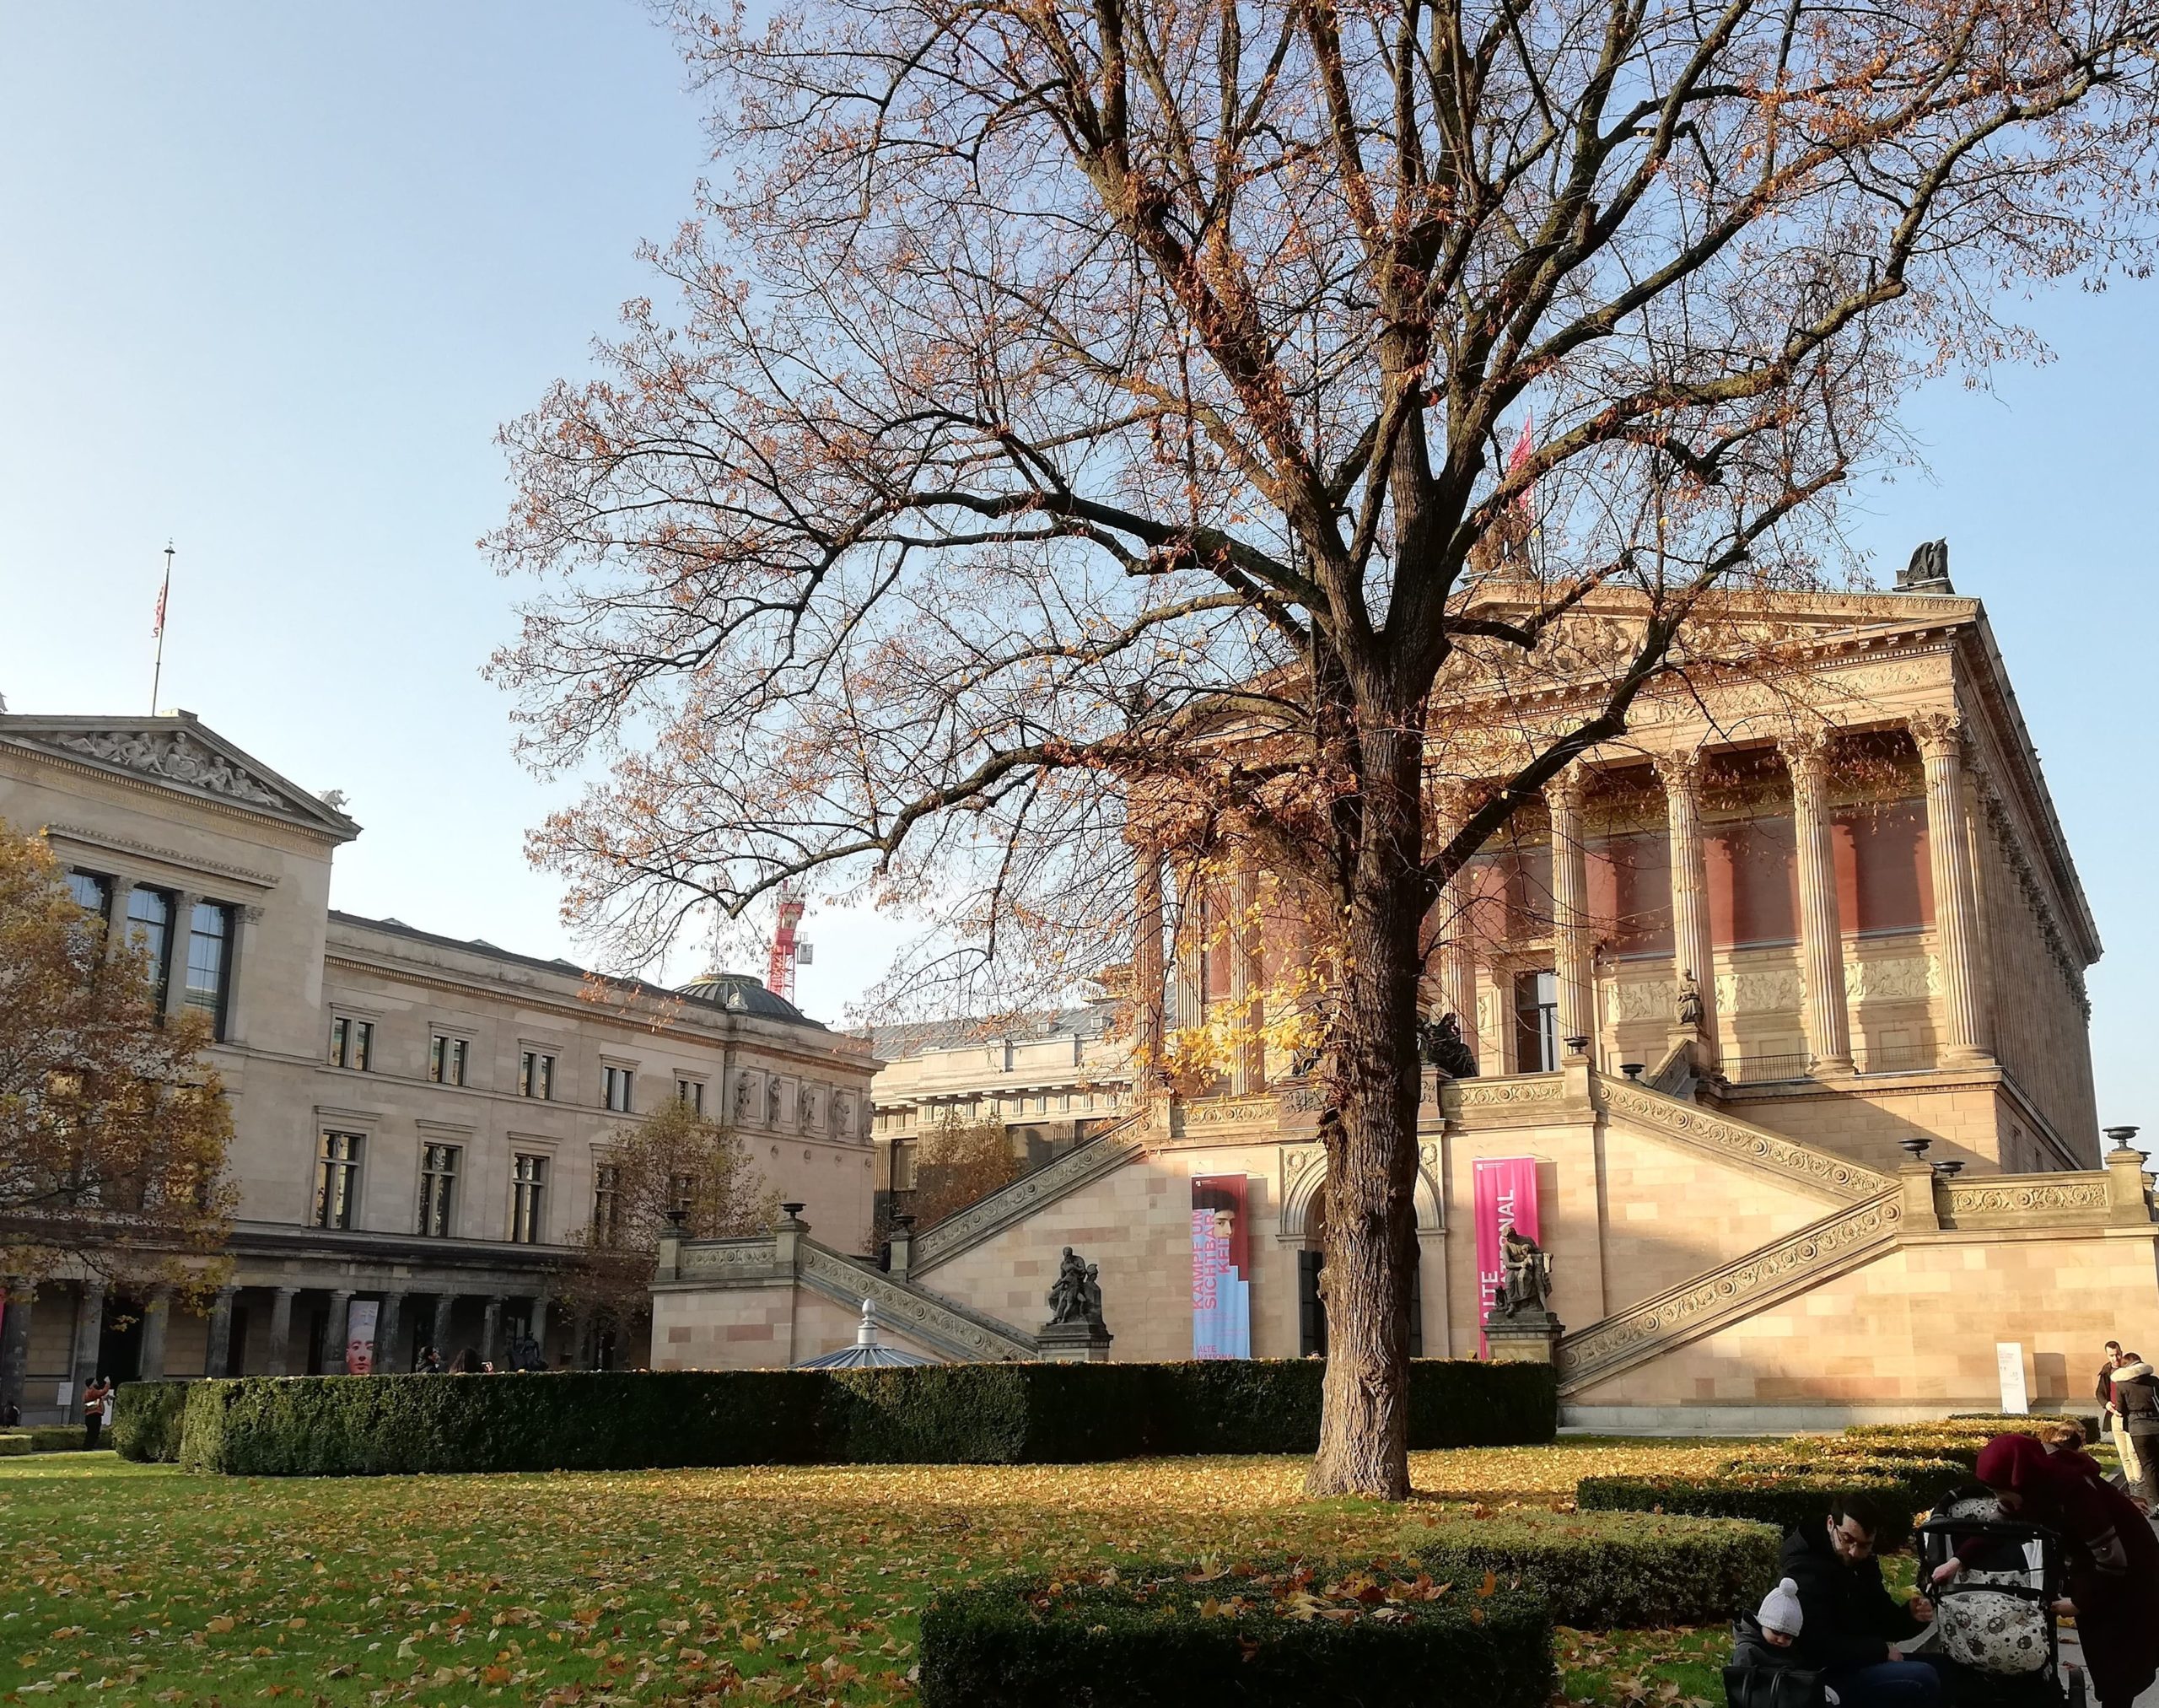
(1864, 1226)
(1106, 1152)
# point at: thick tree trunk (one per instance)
(1372, 1149)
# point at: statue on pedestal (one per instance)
(1441, 1045)
(1076, 1295)
(1690, 999)
(1525, 1276)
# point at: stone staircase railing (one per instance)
(944, 1325)
(1111, 1149)
(1706, 1302)
(1734, 1140)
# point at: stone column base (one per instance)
(1531, 1338)
(1075, 1343)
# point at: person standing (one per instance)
(96, 1396)
(2136, 1397)
(2112, 1556)
(1849, 1625)
(2110, 1416)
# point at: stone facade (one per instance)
(165, 805)
(1861, 876)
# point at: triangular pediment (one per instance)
(177, 752)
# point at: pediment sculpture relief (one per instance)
(176, 756)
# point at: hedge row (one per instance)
(146, 1420)
(1257, 1635)
(959, 1414)
(13, 1444)
(1602, 1570)
(53, 1438)
(1785, 1492)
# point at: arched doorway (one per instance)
(1311, 1299)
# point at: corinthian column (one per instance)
(1146, 963)
(1571, 944)
(1693, 956)
(1248, 1066)
(1940, 738)
(1821, 934)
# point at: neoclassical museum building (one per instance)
(421, 1122)
(1778, 1016)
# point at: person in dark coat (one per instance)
(1850, 1622)
(2136, 1397)
(2112, 1556)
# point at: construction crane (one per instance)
(787, 949)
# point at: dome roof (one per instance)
(868, 1352)
(741, 993)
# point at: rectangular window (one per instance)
(150, 928)
(351, 1042)
(607, 1203)
(528, 1199)
(438, 1190)
(692, 1092)
(614, 1089)
(1537, 1022)
(209, 961)
(93, 894)
(337, 1180)
(535, 1076)
(446, 1059)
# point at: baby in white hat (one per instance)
(1779, 1614)
(1763, 1641)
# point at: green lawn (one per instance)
(138, 1584)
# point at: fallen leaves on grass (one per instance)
(778, 1584)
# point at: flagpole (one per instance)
(158, 670)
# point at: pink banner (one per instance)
(1505, 1196)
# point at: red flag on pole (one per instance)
(157, 628)
(1524, 446)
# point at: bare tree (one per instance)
(674, 1168)
(1162, 417)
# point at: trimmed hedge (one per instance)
(14, 1446)
(1783, 1493)
(959, 1414)
(54, 1438)
(146, 1421)
(1613, 1571)
(1261, 1635)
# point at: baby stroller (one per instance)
(1996, 1636)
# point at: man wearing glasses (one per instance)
(1852, 1625)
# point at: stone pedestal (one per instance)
(1075, 1343)
(1531, 1337)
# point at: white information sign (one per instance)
(2009, 1356)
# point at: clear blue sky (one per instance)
(273, 275)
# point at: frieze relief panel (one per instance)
(176, 756)
(2053, 1197)
(1641, 999)
(1908, 979)
(1775, 990)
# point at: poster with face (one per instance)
(1504, 1196)
(360, 1336)
(1221, 1268)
